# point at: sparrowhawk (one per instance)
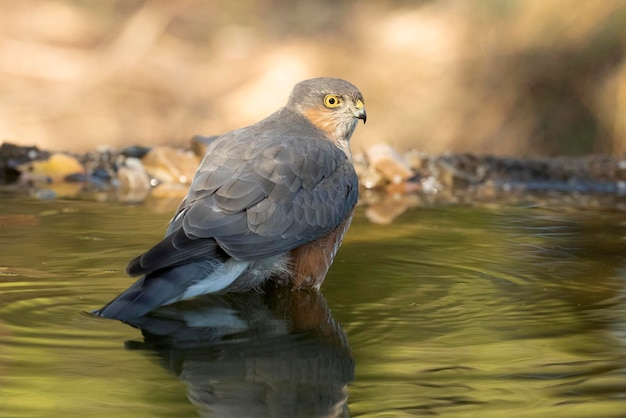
(269, 201)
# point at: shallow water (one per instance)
(450, 311)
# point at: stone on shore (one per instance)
(56, 168)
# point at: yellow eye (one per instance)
(332, 100)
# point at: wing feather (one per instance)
(260, 191)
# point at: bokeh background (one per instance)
(504, 77)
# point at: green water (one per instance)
(449, 311)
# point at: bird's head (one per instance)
(332, 105)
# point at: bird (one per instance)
(269, 202)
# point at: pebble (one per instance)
(389, 163)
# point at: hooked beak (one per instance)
(360, 111)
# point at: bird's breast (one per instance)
(311, 261)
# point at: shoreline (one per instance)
(390, 181)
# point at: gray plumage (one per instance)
(259, 193)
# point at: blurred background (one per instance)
(504, 77)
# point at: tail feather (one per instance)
(158, 289)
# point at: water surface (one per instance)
(450, 311)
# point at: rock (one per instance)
(135, 151)
(171, 165)
(11, 156)
(54, 169)
(133, 182)
(416, 159)
(368, 177)
(391, 165)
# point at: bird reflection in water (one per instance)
(273, 354)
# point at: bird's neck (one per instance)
(338, 131)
